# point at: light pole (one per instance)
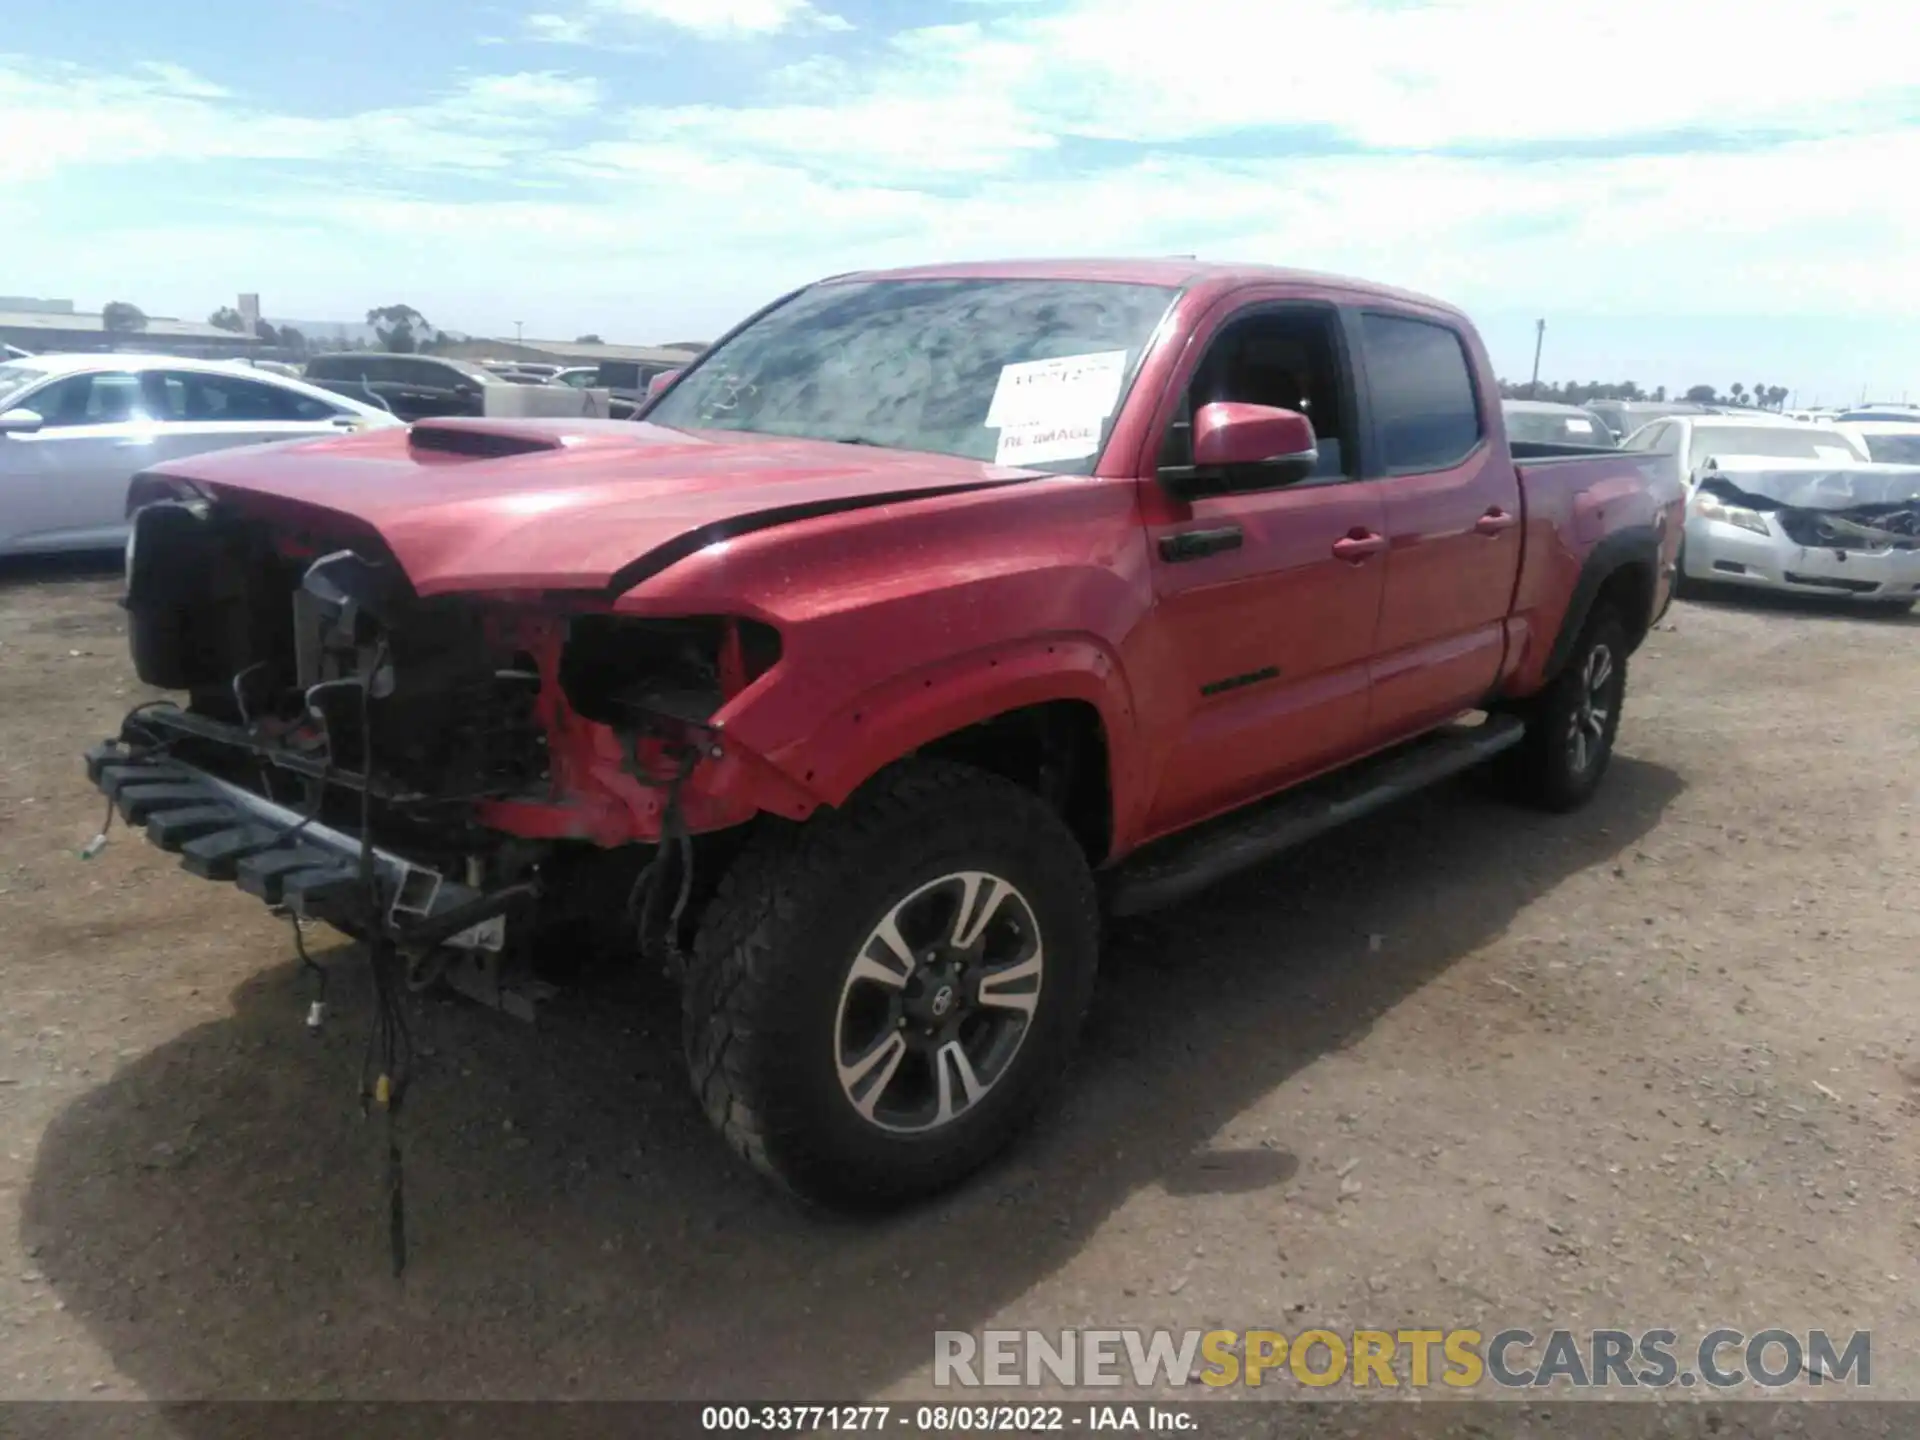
(1539, 338)
(518, 328)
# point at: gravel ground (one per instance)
(1652, 1064)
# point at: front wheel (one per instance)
(879, 998)
(1571, 724)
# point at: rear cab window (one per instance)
(1426, 408)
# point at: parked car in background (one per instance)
(1623, 417)
(1870, 413)
(1889, 442)
(630, 379)
(411, 386)
(1026, 574)
(620, 406)
(1817, 527)
(272, 367)
(1692, 440)
(74, 429)
(522, 372)
(1548, 423)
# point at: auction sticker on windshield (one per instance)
(1062, 391)
(1043, 443)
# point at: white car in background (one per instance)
(1887, 442)
(1693, 440)
(75, 429)
(1844, 529)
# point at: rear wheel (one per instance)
(1572, 723)
(879, 998)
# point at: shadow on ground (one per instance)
(212, 1213)
(1796, 603)
(67, 565)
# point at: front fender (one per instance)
(902, 714)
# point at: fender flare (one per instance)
(917, 708)
(1631, 545)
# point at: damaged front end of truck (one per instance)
(458, 778)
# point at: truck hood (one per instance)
(598, 506)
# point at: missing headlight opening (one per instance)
(624, 671)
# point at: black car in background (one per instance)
(411, 386)
(626, 379)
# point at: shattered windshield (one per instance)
(1011, 372)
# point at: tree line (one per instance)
(399, 329)
(1576, 392)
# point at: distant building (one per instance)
(50, 326)
(567, 352)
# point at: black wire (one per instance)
(389, 1030)
(154, 747)
(307, 962)
(674, 836)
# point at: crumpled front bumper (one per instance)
(1731, 554)
(223, 832)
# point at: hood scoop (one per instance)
(480, 439)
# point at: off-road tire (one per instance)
(1540, 770)
(760, 1006)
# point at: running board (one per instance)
(1172, 869)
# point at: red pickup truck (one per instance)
(927, 616)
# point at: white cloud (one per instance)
(163, 114)
(707, 19)
(973, 140)
(1427, 74)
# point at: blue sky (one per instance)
(1688, 193)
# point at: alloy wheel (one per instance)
(938, 1002)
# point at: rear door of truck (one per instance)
(1440, 462)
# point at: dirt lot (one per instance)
(1652, 1064)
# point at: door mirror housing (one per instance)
(657, 386)
(20, 422)
(1244, 447)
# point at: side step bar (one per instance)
(1181, 865)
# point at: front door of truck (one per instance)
(1452, 500)
(1266, 600)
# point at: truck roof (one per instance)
(1177, 271)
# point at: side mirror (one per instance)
(20, 422)
(1244, 447)
(657, 386)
